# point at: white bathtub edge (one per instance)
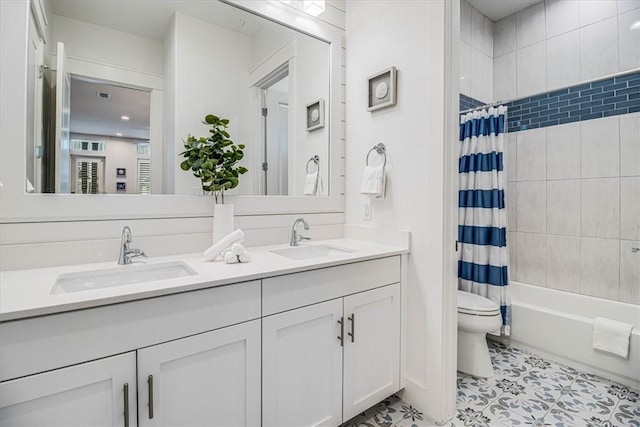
(564, 336)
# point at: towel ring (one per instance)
(381, 150)
(316, 160)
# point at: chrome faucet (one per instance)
(295, 239)
(127, 253)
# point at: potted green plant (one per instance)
(214, 160)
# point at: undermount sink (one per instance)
(306, 252)
(124, 275)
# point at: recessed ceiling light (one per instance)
(125, 117)
(635, 26)
(118, 134)
(313, 7)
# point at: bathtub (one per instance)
(558, 325)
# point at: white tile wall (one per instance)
(504, 36)
(531, 154)
(629, 40)
(600, 148)
(627, 5)
(477, 29)
(561, 16)
(630, 145)
(629, 272)
(596, 10)
(465, 69)
(630, 209)
(532, 258)
(588, 221)
(563, 207)
(530, 25)
(504, 77)
(532, 69)
(605, 45)
(512, 244)
(563, 151)
(486, 42)
(563, 263)
(599, 49)
(465, 21)
(600, 267)
(511, 155)
(563, 59)
(532, 206)
(600, 207)
(481, 76)
(510, 201)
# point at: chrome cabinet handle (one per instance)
(352, 334)
(341, 336)
(126, 404)
(150, 385)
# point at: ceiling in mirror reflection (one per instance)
(209, 58)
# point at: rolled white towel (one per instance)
(224, 243)
(237, 249)
(230, 258)
(245, 257)
(611, 336)
(311, 184)
(373, 181)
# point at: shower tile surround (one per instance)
(526, 390)
(572, 157)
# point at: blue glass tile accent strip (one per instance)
(467, 103)
(600, 98)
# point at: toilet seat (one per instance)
(476, 305)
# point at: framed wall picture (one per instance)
(121, 186)
(121, 172)
(381, 89)
(315, 115)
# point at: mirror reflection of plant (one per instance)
(213, 160)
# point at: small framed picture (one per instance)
(381, 89)
(121, 186)
(121, 172)
(315, 115)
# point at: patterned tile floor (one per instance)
(525, 391)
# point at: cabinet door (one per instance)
(302, 367)
(371, 348)
(210, 379)
(89, 394)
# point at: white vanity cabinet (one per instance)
(211, 379)
(98, 393)
(325, 362)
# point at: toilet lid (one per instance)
(472, 303)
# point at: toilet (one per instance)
(476, 316)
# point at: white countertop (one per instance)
(27, 293)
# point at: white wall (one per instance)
(409, 35)
(476, 54)
(310, 83)
(115, 47)
(207, 81)
(558, 43)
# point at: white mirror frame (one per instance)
(18, 206)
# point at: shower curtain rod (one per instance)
(493, 104)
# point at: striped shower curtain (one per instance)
(482, 217)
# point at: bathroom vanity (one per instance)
(276, 342)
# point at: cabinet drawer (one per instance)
(291, 291)
(49, 342)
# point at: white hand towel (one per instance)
(373, 182)
(611, 336)
(311, 184)
(224, 243)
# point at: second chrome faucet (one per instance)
(126, 253)
(295, 238)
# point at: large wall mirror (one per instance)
(125, 82)
(190, 65)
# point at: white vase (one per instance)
(222, 221)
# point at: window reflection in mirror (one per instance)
(190, 58)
